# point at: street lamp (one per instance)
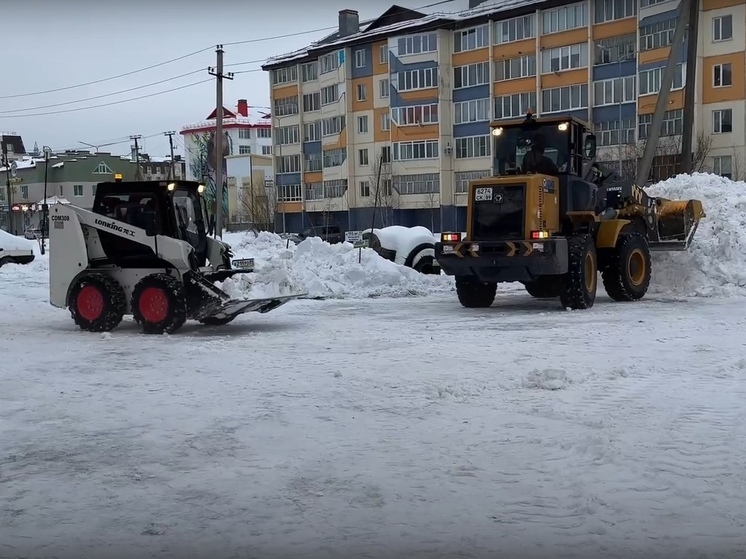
(45, 203)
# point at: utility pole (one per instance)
(219, 76)
(138, 174)
(687, 132)
(6, 162)
(171, 145)
(45, 203)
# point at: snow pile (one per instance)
(322, 270)
(715, 264)
(12, 242)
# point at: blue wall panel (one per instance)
(471, 129)
(611, 112)
(614, 70)
(471, 93)
(312, 147)
(367, 69)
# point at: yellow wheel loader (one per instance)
(552, 218)
(144, 249)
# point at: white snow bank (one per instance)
(12, 242)
(715, 264)
(323, 270)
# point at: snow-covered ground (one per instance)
(368, 424)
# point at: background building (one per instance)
(416, 92)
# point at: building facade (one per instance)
(408, 98)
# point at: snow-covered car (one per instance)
(408, 246)
(15, 250)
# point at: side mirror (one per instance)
(151, 228)
(590, 146)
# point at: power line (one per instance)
(113, 102)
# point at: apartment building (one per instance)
(417, 92)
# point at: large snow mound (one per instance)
(715, 264)
(323, 270)
(12, 242)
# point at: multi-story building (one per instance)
(162, 168)
(418, 92)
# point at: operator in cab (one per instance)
(535, 161)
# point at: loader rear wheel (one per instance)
(545, 287)
(579, 284)
(159, 304)
(97, 303)
(475, 294)
(626, 275)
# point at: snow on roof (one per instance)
(240, 120)
(54, 200)
(488, 8)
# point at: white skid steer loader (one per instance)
(144, 250)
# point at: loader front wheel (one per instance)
(97, 303)
(475, 294)
(626, 276)
(579, 284)
(159, 304)
(545, 287)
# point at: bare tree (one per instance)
(433, 202)
(383, 198)
(258, 204)
(702, 149)
(736, 165)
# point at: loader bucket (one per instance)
(677, 222)
(234, 307)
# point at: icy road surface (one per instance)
(388, 428)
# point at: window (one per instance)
(722, 121)
(103, 169)
(335, 188)
(722, 75)
(385, 122)
(476, 110)
(383, 87)
(424, 183)
(512, 68)
(648, 3)
(722, 28)
(471, 39)
(362, 92)
(312, 162)
(312, 131)
(288, 135)
(362, 156)
(515, 105)
(608, 132)
(329, 94)
(516, 29)
(418, 44)
(418, 149)
(285, 75)
(288, 164)
(650, 80)
(464, 177)
(24, 191)
(415, 115)
(286, 106)
(333, 125)
(416, 79)
(673, 124)
(362, 124)
(310, 71)
(657, 35)
(610, 10)
(471, 75)
(567, 98)
(565, 18)
(473, 146)
(244, 133)
(77, 190)
(290, 193)
(334, 157)
(266, 150)
(314, 191)
(615, 91)
(383, 54)
(385, 189)
(329, 62)
(364, 189)
(311, 102)
(264, 132)
(359, 58)
(564, 58)
(244, 150)
(615, 49)
(723, 165)
(386, 154)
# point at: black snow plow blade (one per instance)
(232, 308)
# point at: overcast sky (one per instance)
(52, 44)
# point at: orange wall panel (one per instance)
(409, 133)
(366, 105)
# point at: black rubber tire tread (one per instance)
(212, 321)
(546, 287)
(475, 294)
(616, 281)
(573, 292)
(177, 315)
(115, 303)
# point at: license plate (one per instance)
(483, 195)
(244, 264)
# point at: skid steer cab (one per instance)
(552, 218)
(145, 250)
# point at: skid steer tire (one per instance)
(546, 287)
(627, 273)
(159, 304)
(579, 284)
(97, 303)
(475, 294)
